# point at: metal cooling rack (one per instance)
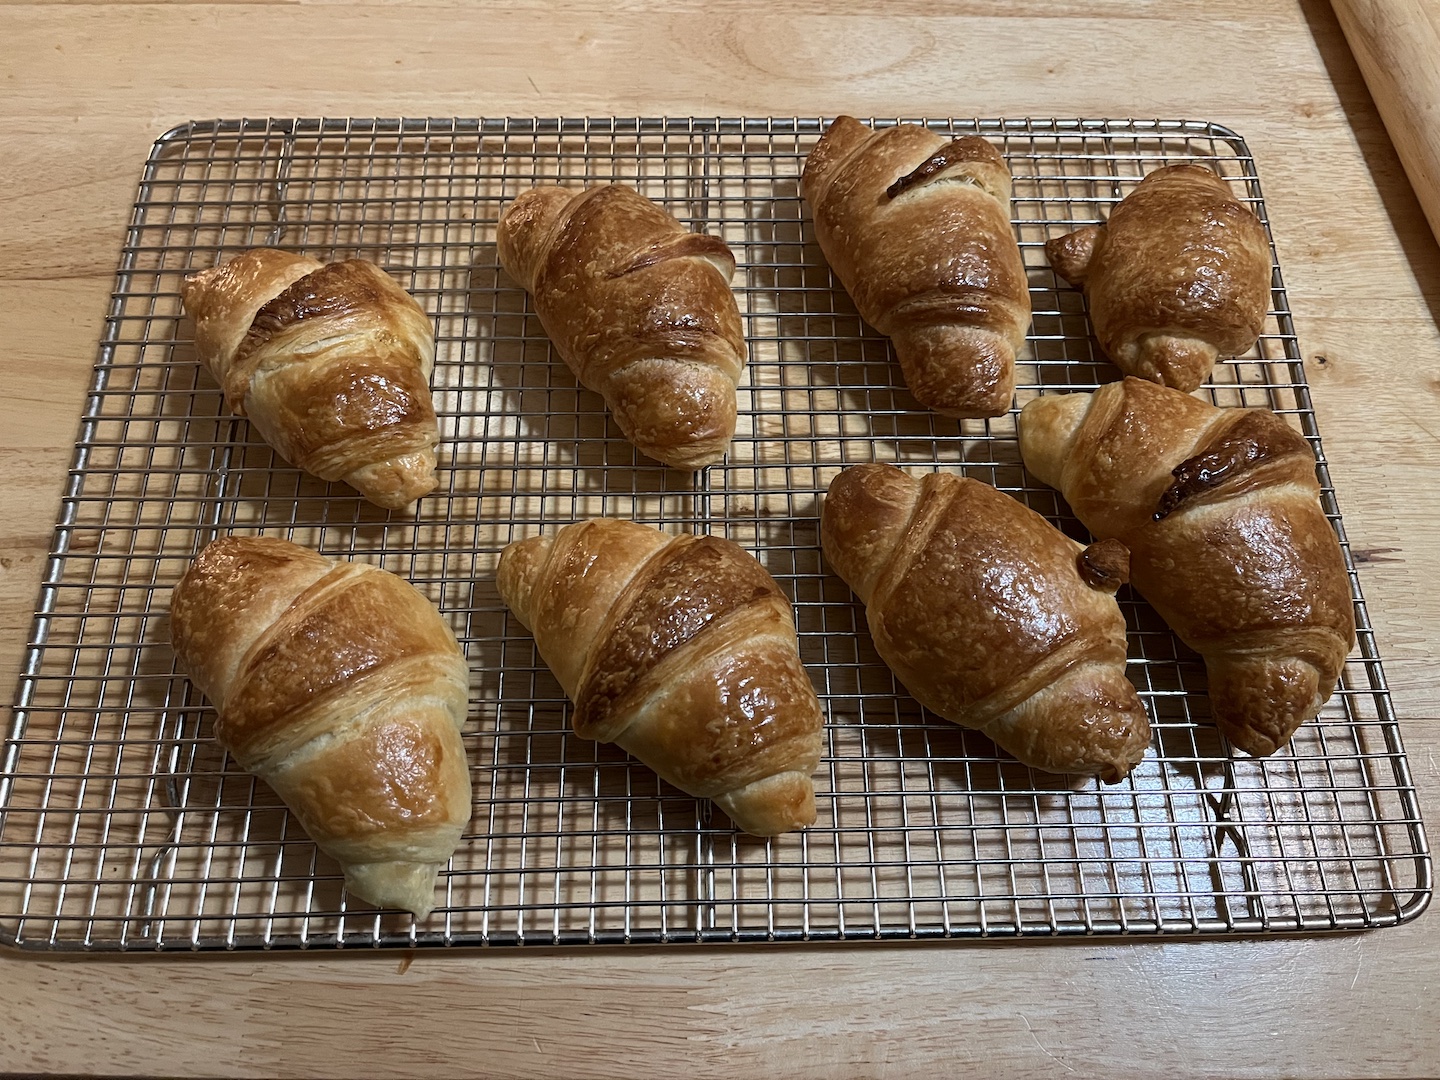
(123, 826)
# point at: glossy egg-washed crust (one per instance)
(1220, 510)
(917, 229)
(682, 651)
(1179, 276)
(985, 611)
(331, 363)
(342, 687)
(638, 308)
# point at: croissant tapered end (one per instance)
(862, 521)
(689, 427)
(840, 140)
(956, 370)
(1088, 721)
(1259, 702)
(515, 576)
(521, 235)
(408, 886)
(1047, 427)
(395, 484)
(776, 804)
(1070, 255)
(222, 300)
(1173, 360)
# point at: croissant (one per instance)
(331, 363)
(1179, 275)
(1220, 509)
(917, 229)
(990, 616)
(682, 651)
(341, 687)
(639, 309)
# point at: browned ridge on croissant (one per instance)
(990, 616)
(1229, 543)
(340, 686)
(917, 229)
(681, 247)
(331, 363)
(682, 651)
(966, 148)
(639, 309)
(1231, 462)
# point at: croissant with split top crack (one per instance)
(638, 308)
(917, 229)
(1220, 510)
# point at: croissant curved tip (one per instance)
(771, 806)
(405, 885)
(520, 565)
(1260, 702)
(957, 370)
(1116, 770)
(1085, 721)
(395, 484)
(1070, 255)
(689, 458)
(1181, 363)
(1046, 427)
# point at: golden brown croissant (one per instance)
(331, 363)
(1228, 541)
(1179, 275)
(639, 309)
(681, 650)
(917, 229)
(340, 686)
(991, 616)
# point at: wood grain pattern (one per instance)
(88, 86)
(1397, 44)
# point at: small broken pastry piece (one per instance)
(917, 229)
(1179, 276)
(1220, 510)
(1105, 565)
(638, 308)
(990, 616)
(330, 362)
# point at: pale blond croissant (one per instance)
(340, 686)
(990, 616)
(331, 363)
(639, 309)
(1220, 509)
(917, 229)
(681, 650)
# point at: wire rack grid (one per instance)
(123, 826)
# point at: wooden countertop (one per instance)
(87, 87)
